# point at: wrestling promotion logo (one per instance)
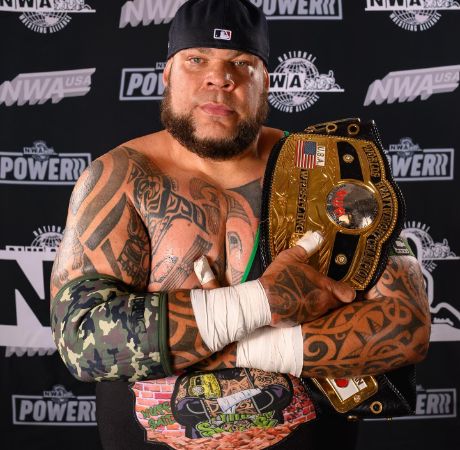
(300, 9)
(57, 406)
(39, 87)
(445, 313)
(413, 15)
(409, 162)
(45, 16)
(142, 83)
(27, 293)
(407, 85)
(146, 12)
(40, 164)
(296, 82)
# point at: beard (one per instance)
(183, 129)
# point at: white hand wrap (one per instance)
(203, 270)
(228, 314)
(311, 242)
(273, 350)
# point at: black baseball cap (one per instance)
(228, 24)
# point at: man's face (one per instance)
(215, 100)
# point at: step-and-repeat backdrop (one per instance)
(78, 77)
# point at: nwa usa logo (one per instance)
(27, 271)
(433, 404)
(45, 16)
(33, 88)
(445, 315)
(145, 12)
(142, 83)
(296, 82)
(40, 164)
(55, 407)
(411, 163)
(407, 85)
(413, 15)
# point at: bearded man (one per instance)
(158, 224)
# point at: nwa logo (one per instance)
(413, 15)
(407, 85)
(142, 83)
(296, 82)
(300, 9)
(145, 12)
(33, 88)
(411, 163)
(45, 16)
(27, 271)
(445, 315)
(55, 407)
(40, 164)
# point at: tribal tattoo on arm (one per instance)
(104, 233)
(388, 329)
(185, 343)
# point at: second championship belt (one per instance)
(334, 178)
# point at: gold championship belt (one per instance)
(334, 178)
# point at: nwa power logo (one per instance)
(57, 406)
(145, 12)
(45, 16)
(39, 87)
(300, 9)
(407, 85)
(142, 83)
(409, 162)
(26, 273)
(445, 313)
(296, 83)
(413, 15)
(40, 164)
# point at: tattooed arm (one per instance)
(104, 319)
(388, 329)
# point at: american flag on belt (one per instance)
(306, 154)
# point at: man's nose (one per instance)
(220, 77)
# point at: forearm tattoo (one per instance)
(365, 337)
(293, 297)
(376, 335)
(185, 343)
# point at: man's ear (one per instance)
(167, 72)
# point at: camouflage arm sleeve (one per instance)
(104, 331)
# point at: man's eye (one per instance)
(196, 60)
(240, 63)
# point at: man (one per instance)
(127, 305)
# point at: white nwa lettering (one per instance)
(148, 11)
(34, 91)
(10, 91)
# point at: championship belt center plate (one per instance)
(334, 178)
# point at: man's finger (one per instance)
(311, 242)
(205, 274)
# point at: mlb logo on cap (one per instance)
(225, 35)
